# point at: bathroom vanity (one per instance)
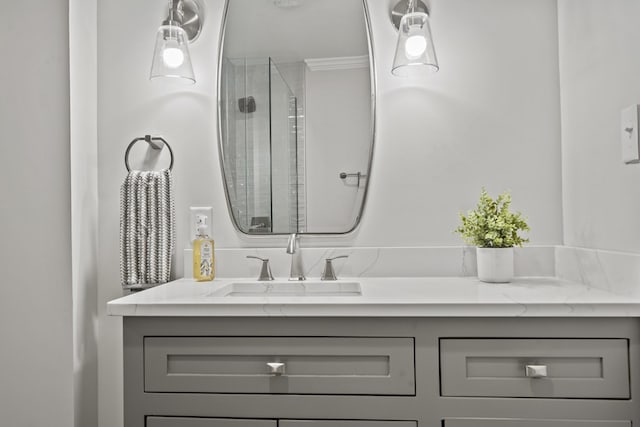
(426, 352)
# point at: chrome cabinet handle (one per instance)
(535, 371)
(276, 368)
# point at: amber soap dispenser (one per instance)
(203, 255)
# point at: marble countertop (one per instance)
(386, 297)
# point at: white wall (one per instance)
(36, 385)
(599, 71)
(84, 207)
(490, 117)
(129, 105)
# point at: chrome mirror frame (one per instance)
(372, 132)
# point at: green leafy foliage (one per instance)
(491, 224)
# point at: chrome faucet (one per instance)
(297, 270)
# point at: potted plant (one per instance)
(493, 229)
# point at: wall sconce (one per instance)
(415, 46)
(171, 54)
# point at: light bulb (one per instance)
(172, 57)
(415, 46)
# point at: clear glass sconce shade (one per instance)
(171, 55)
(415, 47)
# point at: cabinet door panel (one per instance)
(345, 423)
(206, 422)
(495, 422)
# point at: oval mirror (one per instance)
(295, 114)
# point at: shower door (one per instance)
(261, 146)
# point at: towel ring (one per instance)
(152, 142)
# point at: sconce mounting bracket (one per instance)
(192, 18)
(400, 9)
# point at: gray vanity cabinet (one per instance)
(381, 372)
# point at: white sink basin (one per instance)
(290, 289)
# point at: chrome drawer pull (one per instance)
(276, 368)
(535, 371)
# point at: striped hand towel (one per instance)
(147, 228)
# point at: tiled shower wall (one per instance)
(249, 143)
(236, 164)
(294, 74)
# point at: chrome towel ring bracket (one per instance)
(153, 142)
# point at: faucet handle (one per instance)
(265, 271)
(329, 273)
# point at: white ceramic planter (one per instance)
(495, 265)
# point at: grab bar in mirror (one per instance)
(360, 175)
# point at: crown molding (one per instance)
(339, 63)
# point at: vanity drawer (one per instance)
(312, 365)
(575, 368)
(345, 423)
(207, 422)
(503, 422)
(230, 422)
